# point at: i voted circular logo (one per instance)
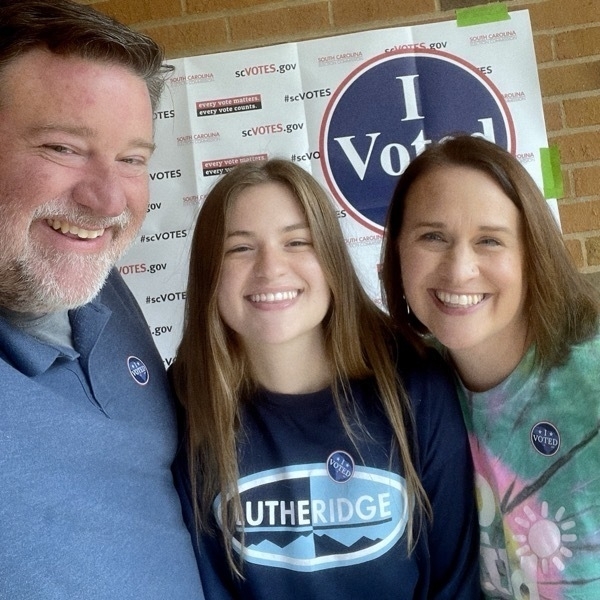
(340, 466)
(138, 370)
(388, 110)
(545, 438)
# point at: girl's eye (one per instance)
(299, 243)
(237, 249)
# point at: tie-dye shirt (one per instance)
(536, 451)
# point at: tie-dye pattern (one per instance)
(539, 513)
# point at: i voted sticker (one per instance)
(138, 370)
(340, 466)
(545, 438)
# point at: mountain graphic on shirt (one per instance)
(299, 518)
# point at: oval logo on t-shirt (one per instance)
(300, 518)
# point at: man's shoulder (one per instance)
(115, 289)
(116, 295)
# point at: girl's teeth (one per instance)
(274, 297)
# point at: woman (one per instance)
(307, 477)
(474, 258)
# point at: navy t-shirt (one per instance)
(325, 515)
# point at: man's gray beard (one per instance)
(37, 290)
(29, 283)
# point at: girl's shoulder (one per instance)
(425, 370)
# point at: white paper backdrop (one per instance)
(222, 109)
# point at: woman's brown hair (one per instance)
(562, 306)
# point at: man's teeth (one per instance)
(459, 299)
(86, 234)
(276, 297)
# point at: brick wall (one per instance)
(566, 36)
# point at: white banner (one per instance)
(352, 110)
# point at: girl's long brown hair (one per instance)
(212, 375)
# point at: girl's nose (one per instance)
(270, 262)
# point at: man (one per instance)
(88, 509)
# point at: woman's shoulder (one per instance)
(586, 349)
(580, 369)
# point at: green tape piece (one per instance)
(551, 173)
(486, 13)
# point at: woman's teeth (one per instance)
(463, 300)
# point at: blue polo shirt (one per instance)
(88, 509)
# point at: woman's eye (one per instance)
(490, 242)
(432, 236)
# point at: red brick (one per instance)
(567, 185)
(576, 252)
(454, 4)
(569, 78)
(356, 12)
(287, 24)
(562, 13)
(543, 48)
(553, 116)
(212, 7)
(190, 39)
(592, 248)
(580, 216)
(140, 11)
(578, 43)
(578, 147)
(581, 112)
(587, 181)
